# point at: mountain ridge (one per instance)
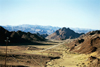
(64, 33)
(41, 29)
(18, 37)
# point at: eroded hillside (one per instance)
(88, 44)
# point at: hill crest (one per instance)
(64, 33)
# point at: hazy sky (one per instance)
(62, 13)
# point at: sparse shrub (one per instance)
(88, 63)
(82, 63)
(28, 61)
(77, 65)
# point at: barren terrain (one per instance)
(56, 54)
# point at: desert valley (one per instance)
(49, 33)
(63, 48)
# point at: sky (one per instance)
(61, 13)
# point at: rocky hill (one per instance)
(18, 37)
(64, 33)
(88, 43)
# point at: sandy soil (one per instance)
(34, 56)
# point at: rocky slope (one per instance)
(18, 37)
(63, 34)
(88, 44)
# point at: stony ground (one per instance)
(41, 56)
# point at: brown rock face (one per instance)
(86, 43)
(63, 34)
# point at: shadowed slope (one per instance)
(18, 37)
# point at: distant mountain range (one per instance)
(64, 33)
(41, 29)
(32, 28)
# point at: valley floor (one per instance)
(54, 55)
